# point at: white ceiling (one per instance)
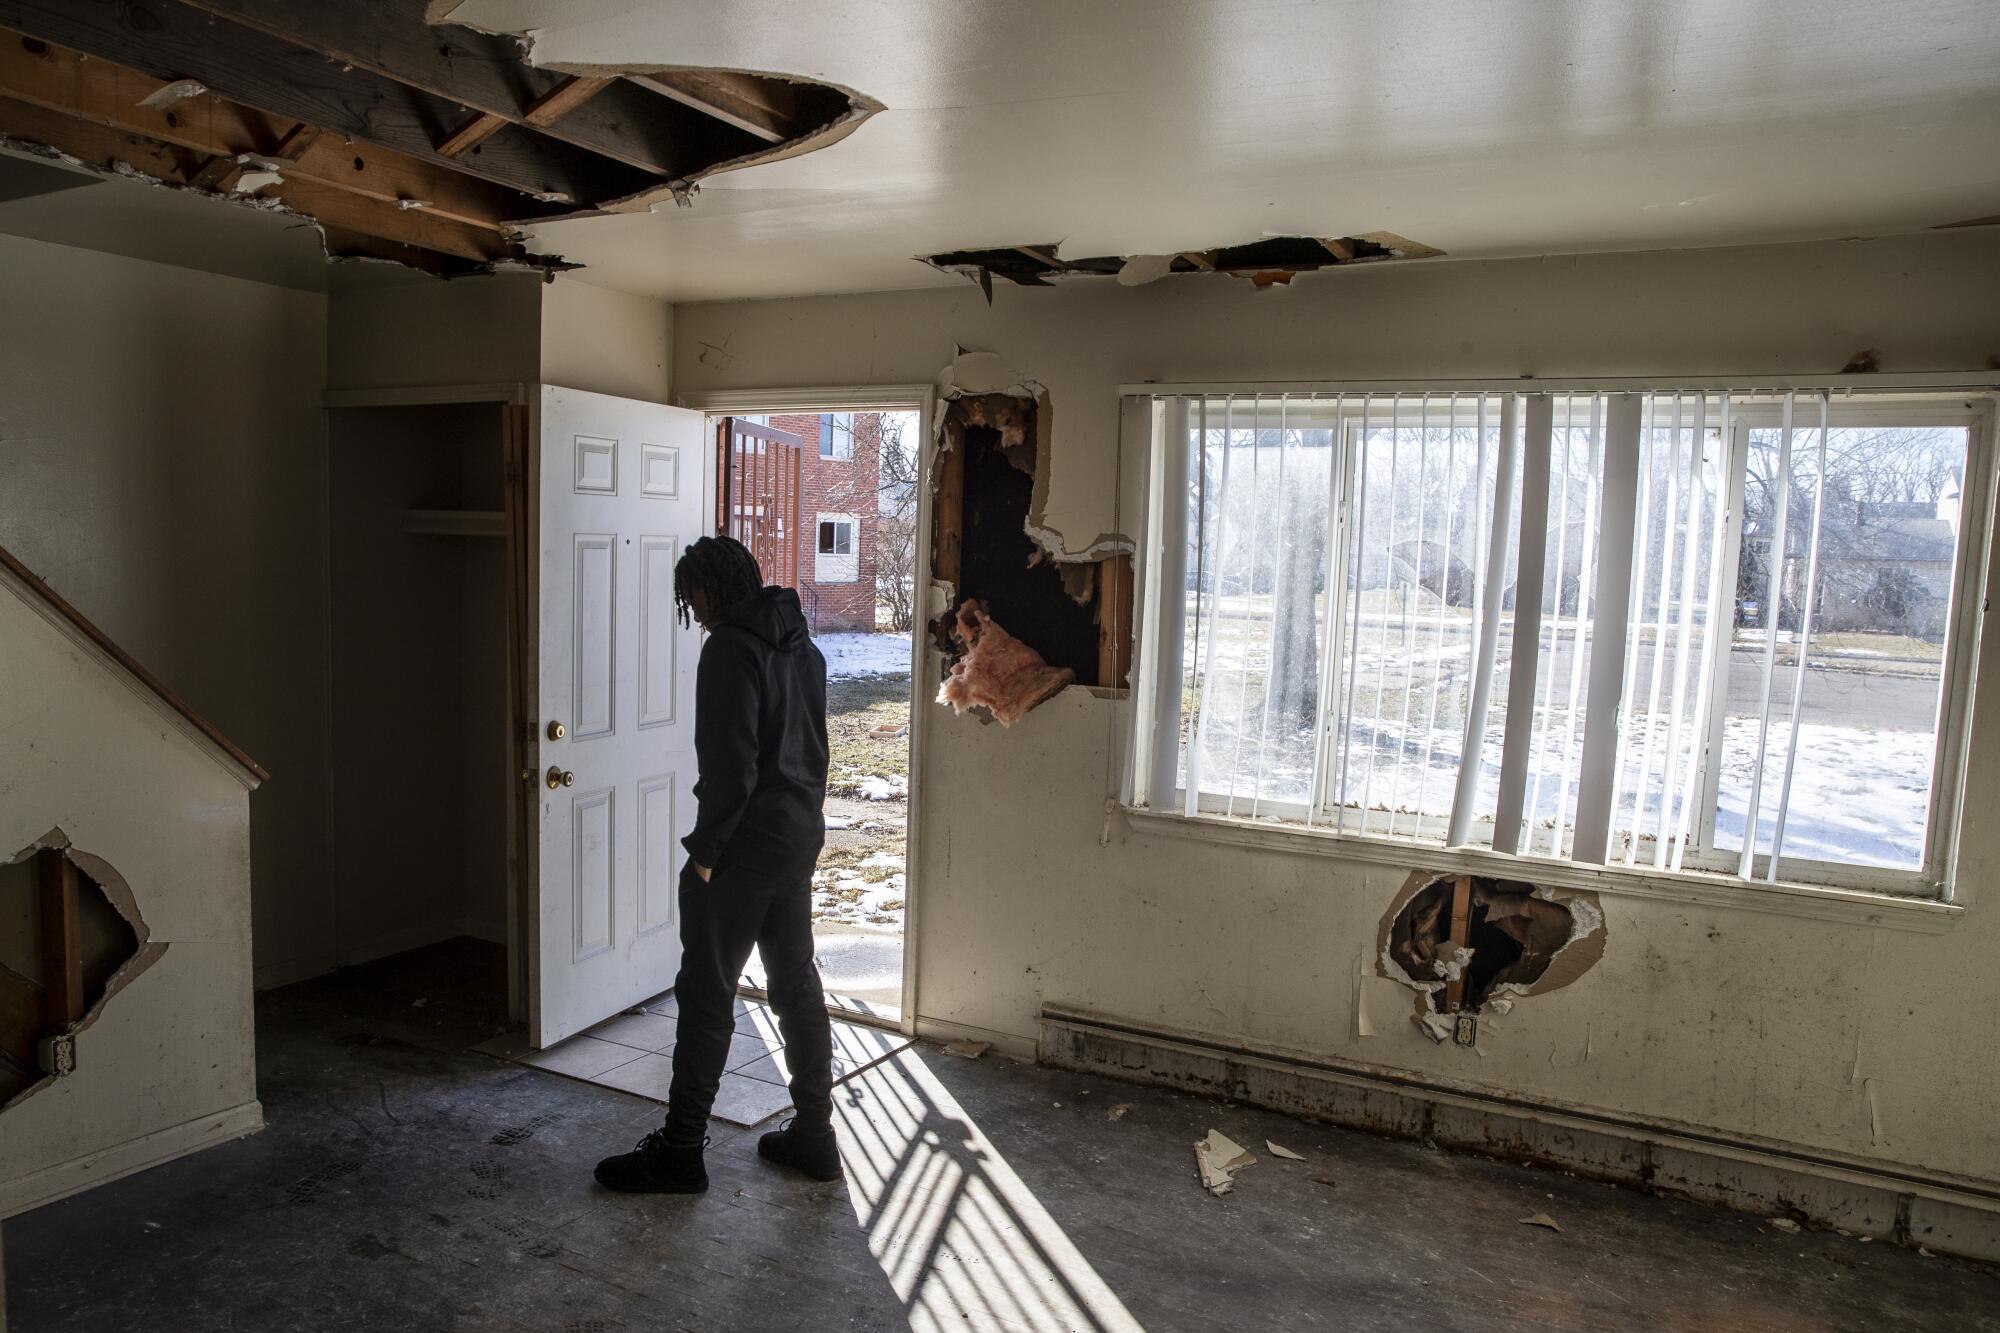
(1504, 127)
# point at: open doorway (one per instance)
(828, 498)
(420, 708)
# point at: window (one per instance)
(1607, 628)
(836, 435)
(837, 561)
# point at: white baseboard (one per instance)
(1885, 1200)
(108, 1164)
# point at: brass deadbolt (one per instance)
(559, 777)
(557, 731)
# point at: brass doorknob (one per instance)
(559, 777)
(557, 731)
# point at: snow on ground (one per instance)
(868, 895)
(851, 655)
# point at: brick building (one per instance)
(838, 502)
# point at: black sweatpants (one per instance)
(720, 921)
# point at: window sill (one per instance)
(1815, 902)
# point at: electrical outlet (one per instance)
(1465, 1029)
(57, 1054)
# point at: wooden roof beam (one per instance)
(104, 149)
(104, 93)
(487, 73)
(169, 40)
(734, 99)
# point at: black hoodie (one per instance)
(760, 739)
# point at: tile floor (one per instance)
(633, 1052)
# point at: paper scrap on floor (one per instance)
(1286, 1153)
(970, 1050)
(1541, 1220)
(1219, 1157)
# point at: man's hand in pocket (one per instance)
(702, 871)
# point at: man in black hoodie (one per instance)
(760, 745)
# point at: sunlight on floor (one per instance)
(963, 1241)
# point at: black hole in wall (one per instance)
(1513, 935)
(104, 942)
(1002, 567)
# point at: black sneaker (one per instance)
(656, 1167)
(810, 1152)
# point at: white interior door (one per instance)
(621, 497)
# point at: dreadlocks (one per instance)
(721, 568)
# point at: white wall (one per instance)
(1857, 1039)
(168, 1062)
(605, 341)
(162, 466)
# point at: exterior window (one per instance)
(837, 561)
(836, 435)
(1673, 631)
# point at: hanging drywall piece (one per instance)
(167, 94)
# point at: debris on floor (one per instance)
(1541, 1220)
(969, 1050)
(1118, 1112)
(1218, 1158)
(1278, 1151)
(1784, 1224)
(1324, 1180)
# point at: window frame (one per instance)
(852, 554)
(830, 435)
(1903, 404)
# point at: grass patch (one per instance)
(856, 707)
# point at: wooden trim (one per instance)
(1461, 930)
(62, 941)
(55, 602)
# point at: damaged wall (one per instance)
(1830, 1034)
(161, 466)
(94, 762)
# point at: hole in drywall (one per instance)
(1468, 940)
(1272, 261)
(70, 938)
(1022, 624)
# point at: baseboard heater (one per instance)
(1885, 1201)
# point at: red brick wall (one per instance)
(846, 486)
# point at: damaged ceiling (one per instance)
(437, 147)
(1508, 128)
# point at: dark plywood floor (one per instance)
(407, 1183)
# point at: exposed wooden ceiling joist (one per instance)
(171, 41)
(734, 98)
(488, 74)
(104, 93)
(105, 149)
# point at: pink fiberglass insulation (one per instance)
(997, 671)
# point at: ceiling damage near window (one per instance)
(1271, 262)
(439, 147)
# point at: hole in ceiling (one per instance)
(1273, 261)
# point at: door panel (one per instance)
(617, 675)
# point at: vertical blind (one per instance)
(1508, 619)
